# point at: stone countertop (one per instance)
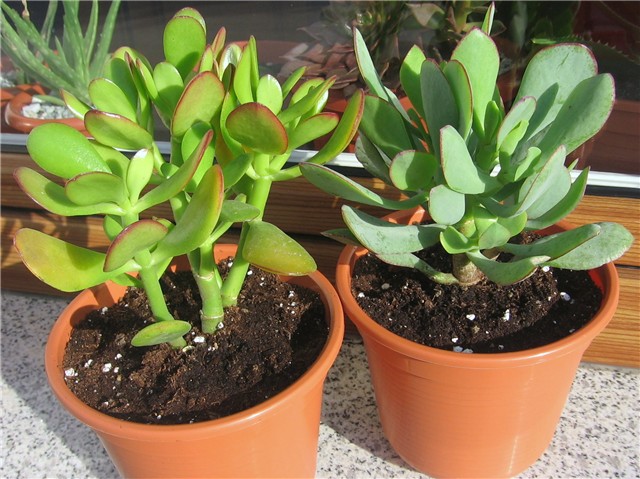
(598, 435)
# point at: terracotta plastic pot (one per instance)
(449, 414)
(278, 438)
(16, 120)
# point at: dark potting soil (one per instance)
(484, 318)
(268, 341)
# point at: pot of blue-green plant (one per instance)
(231, 137)
(485, 193)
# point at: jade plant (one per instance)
(231, 138)
(73, 60)
(484, 175)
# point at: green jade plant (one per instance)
(231, 137)
(483, 175)
(75, 60)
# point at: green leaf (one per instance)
(63, 151)
(62, 265)
(479, 56)
(117, 131)
(176, 182)
(115, 160)
(256, 127)
(160, 332)
(311, 128)
(52, 197)
(137, 237)
(236, 168)
(455, 242)
(198, 220)
(537, 185)
(439, 104)
(200, 101)
(495, 231)
(460, 172)
(117, 70)
(505, 273)
(269, 93)
(612, 242)
(77, 107)
(384, 126)
(139, 173)
(458, 80)
(554, 245)
(413, 170)
(184, 42)
(372, 159)
(308, 100)
(107, 96)
(409, 260)
(410, 76)
(383, 237)
(169, 86)
(242, 80)
(521, 111)
(446, 206)
(290, 82)
(95, 188)
(269, 248)
(234, 211)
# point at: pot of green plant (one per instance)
(231, 138)
(494, 185)
(79, 58)
(276, 438)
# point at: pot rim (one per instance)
(14, 117)
(605, 277)
(154, 432)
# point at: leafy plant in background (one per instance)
(74, 60)
(483, 174)
(231, 137)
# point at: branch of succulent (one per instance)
(77, 57)
(231, 137)
(483, 174)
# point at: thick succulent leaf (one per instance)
(334, 183)
(184, 42)
(137, 237)
(234, 211)
(198, 219)
(77, 107)
(479, 56)
(290, 82)
(410, 76)
(176, 182)
(160, 332)
(62, 265)
(438, 102)
(112, 226)
(372, 159)
(413, 170)
(117, 70)
(117, 131)
(190, 142)
(494, 231)
(256, 127)
(583, 114)
(63, 151)
(551, 76)
(312, 128)
(559, 186)
(117, 162)
(52, 197)
(455, 242)
(236, 168)
(342, 235)
(554, 245)
(461, 88)
(107, 96)
(562, 207)
(269, 93)
(522, 168)
(200, 101)
(384, 126)
(382, 237)
(95, 188)
(243, 86)
(521, 111)
(410, 260)
(460, 172)
(269, 248)
(505, 273)
(446, 206)
(611, 243)
(139, 173)
(308, 100)
(537, 185)
(169, 85)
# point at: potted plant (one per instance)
(231, 136)
(76, 59)
(478, 182)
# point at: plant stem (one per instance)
(204, 272)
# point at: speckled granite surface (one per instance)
(598, 436)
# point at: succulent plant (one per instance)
(231, 137)
(483, 174)
(75, 60)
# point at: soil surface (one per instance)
(268, 341)
(484, 318)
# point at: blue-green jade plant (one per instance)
(483, 174)
(77, 57)
(231, 137)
